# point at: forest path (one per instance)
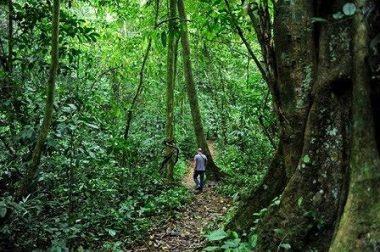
(183, 230)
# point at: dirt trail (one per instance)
(183, 232)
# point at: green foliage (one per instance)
(220, 240)
(245, 167)
(217, 235)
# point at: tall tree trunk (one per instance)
(313, 195)
(359, 228)
(316, 192)
(290, 82)
(170, 77)
(192, 94)
(37, 152)
(312, 90)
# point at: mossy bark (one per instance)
(212, 169)
(291, 98)
(359, 228)
(316, 76)
(312, 199)
(295, 71)
(37, 151)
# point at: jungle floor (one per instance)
(184, 231)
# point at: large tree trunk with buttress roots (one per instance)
(292, 101)
(330, 131)
(359, 227)
(313, 195)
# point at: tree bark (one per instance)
(37, 152)
(359, 228)
(170, 83)
(316, 77)
(216, 173)
(312, 198)
(290, 85)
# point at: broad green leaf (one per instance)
(306, 159)
(111, 232)
(300, 201)
(234, 234)
(217, 235)
(212, 248)
(72, 106)
(231, 243)
(253, 241)
(94, 126)
(285, 246)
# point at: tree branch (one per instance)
(170, 19)
(246, 43)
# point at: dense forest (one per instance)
(104, 105)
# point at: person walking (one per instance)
(200, 163)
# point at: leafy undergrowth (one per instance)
(245, 171)
(105, 222)
(230, 241)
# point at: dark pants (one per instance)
(201, 175)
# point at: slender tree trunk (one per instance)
(129, 114)
(140, 87)
(359, 228)
(37, 152)
(223, 108)
(192, 94)
(170, 83)
(131, 110)
(10, 37)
